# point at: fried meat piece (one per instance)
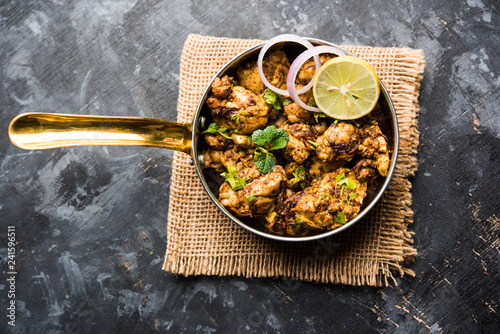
(237, 108)
(244, 141)
(316, 167)
(318, 206)
(248, 76)
(374, 146)
(217, 141)
(221, 159)
(296, 113)
(275, 67)
(339, 142)
(257, 197)
(301, 137)
(308, 69)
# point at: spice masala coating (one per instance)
(317, 181)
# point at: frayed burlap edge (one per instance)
(202, 241)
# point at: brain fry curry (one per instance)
(295, 171)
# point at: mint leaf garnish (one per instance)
(268, 139)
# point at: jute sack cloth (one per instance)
(202, 241)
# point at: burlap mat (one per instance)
(202, 241)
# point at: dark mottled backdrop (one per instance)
(91, 221)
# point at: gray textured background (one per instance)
(91, 221)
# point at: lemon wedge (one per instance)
(346, 88)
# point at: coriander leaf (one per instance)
(340, 218)
(236, 118)
(212, 128)
(298, 220)
(343, 180)
(286, 101)
(241, 114)
(224, 135)
(271, 98)
(313, 143)
(318, 115)
(351, 197)
(326, 196)
(312, 102)
(251, 198)
(340, 179)
(277, 101)
(234, 180)
(299, 175)
(265, 163)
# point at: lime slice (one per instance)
(346, 88)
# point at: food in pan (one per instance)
(297, 168)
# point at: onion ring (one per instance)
(294, 70)
(279, 39)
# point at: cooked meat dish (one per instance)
(313, 173)
(236, 107)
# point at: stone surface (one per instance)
(91, 221)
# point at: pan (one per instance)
(34, 131)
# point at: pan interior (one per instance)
(212, 180)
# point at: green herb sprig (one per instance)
(242, 114)
(314, 145)
(312, 102)
(318, 115)
(340, 218)
(299, 176)
(267, 140)
(352, 195)
(214, 128)
(276, 100)
(343, 182)
(234, 180)
(251, 198)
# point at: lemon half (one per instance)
(346, 87)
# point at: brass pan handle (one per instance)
(37, 131)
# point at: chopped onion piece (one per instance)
(294, 70)
(269, 44)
